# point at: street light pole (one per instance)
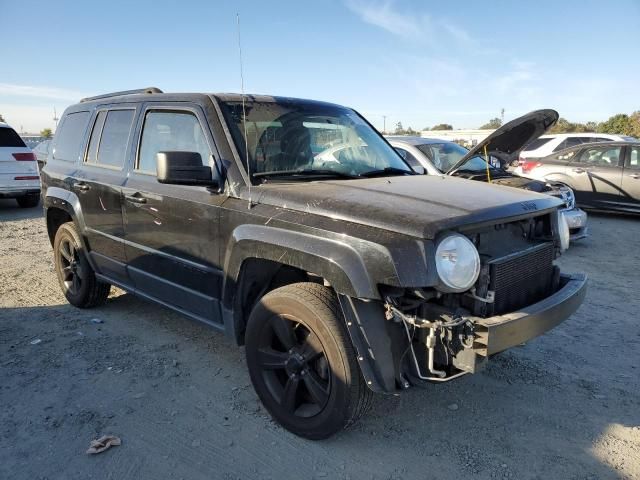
(384, 124)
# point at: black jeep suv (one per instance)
(341, 277)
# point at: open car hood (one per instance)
(513, 136)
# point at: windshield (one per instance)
(293, 137)
(445, 155)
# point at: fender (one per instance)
(353, 267)
(68, 201)
(560, 177)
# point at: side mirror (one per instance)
(419, 169)
(184, 168)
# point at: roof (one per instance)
(415, 140)
(617, 143)
(132, 96)
(588, 134)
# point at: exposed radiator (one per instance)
(521, 278)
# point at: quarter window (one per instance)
(167, 132)
(410, 159)
(66, 143)
(606, 157)
(114, 138)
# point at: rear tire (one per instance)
(76, 277)
(28, 201)
(301, 361)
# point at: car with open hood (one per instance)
(487, 160)
(340, 278)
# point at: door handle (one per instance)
(136, 199)
(579, 170)
(83, 187)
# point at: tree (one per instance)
(635, 123)
(46, 133)
(2, 118)
(620, 124)
(399, 130)
(492, 125)
(441, 126)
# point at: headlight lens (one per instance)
(563, 232)
(457, 262)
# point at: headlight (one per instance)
(563, 232)
(457, 262)
(568, 197)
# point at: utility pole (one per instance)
(384, 124)
(55, 117)
(502, 116)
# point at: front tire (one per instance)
(76, 277)
(301, 361)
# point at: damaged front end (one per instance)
(518, 295)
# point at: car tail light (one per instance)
(27, 177)
(528, 165)
(25, 157)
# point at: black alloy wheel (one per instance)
(302, 363)
(75, 275)
(294, 366)
(70, 265)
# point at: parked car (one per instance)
(603, 176)
(19, 176)
(42, 152)
(547, 144)
(438, 157)
(340, 281)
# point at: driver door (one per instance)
(171, 231)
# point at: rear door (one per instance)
(171, 231)
(630, 192)
(18, 168)
(99, 183)
(596, 175)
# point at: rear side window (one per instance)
(170, 131)
(115, 137)
(9, 138)
(66, 143)
(570, 142)
(537, 143)
(634, 158)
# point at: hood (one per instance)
(417, 205)
(513, 136)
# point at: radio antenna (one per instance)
(244, 112)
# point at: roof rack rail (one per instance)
(124, 92)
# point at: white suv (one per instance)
(547, 144)
(19, 177)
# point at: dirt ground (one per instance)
(564, 406)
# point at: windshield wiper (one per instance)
(304, 173)
(387, 171)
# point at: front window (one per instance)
(305, 140)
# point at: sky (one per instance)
(418, 62)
